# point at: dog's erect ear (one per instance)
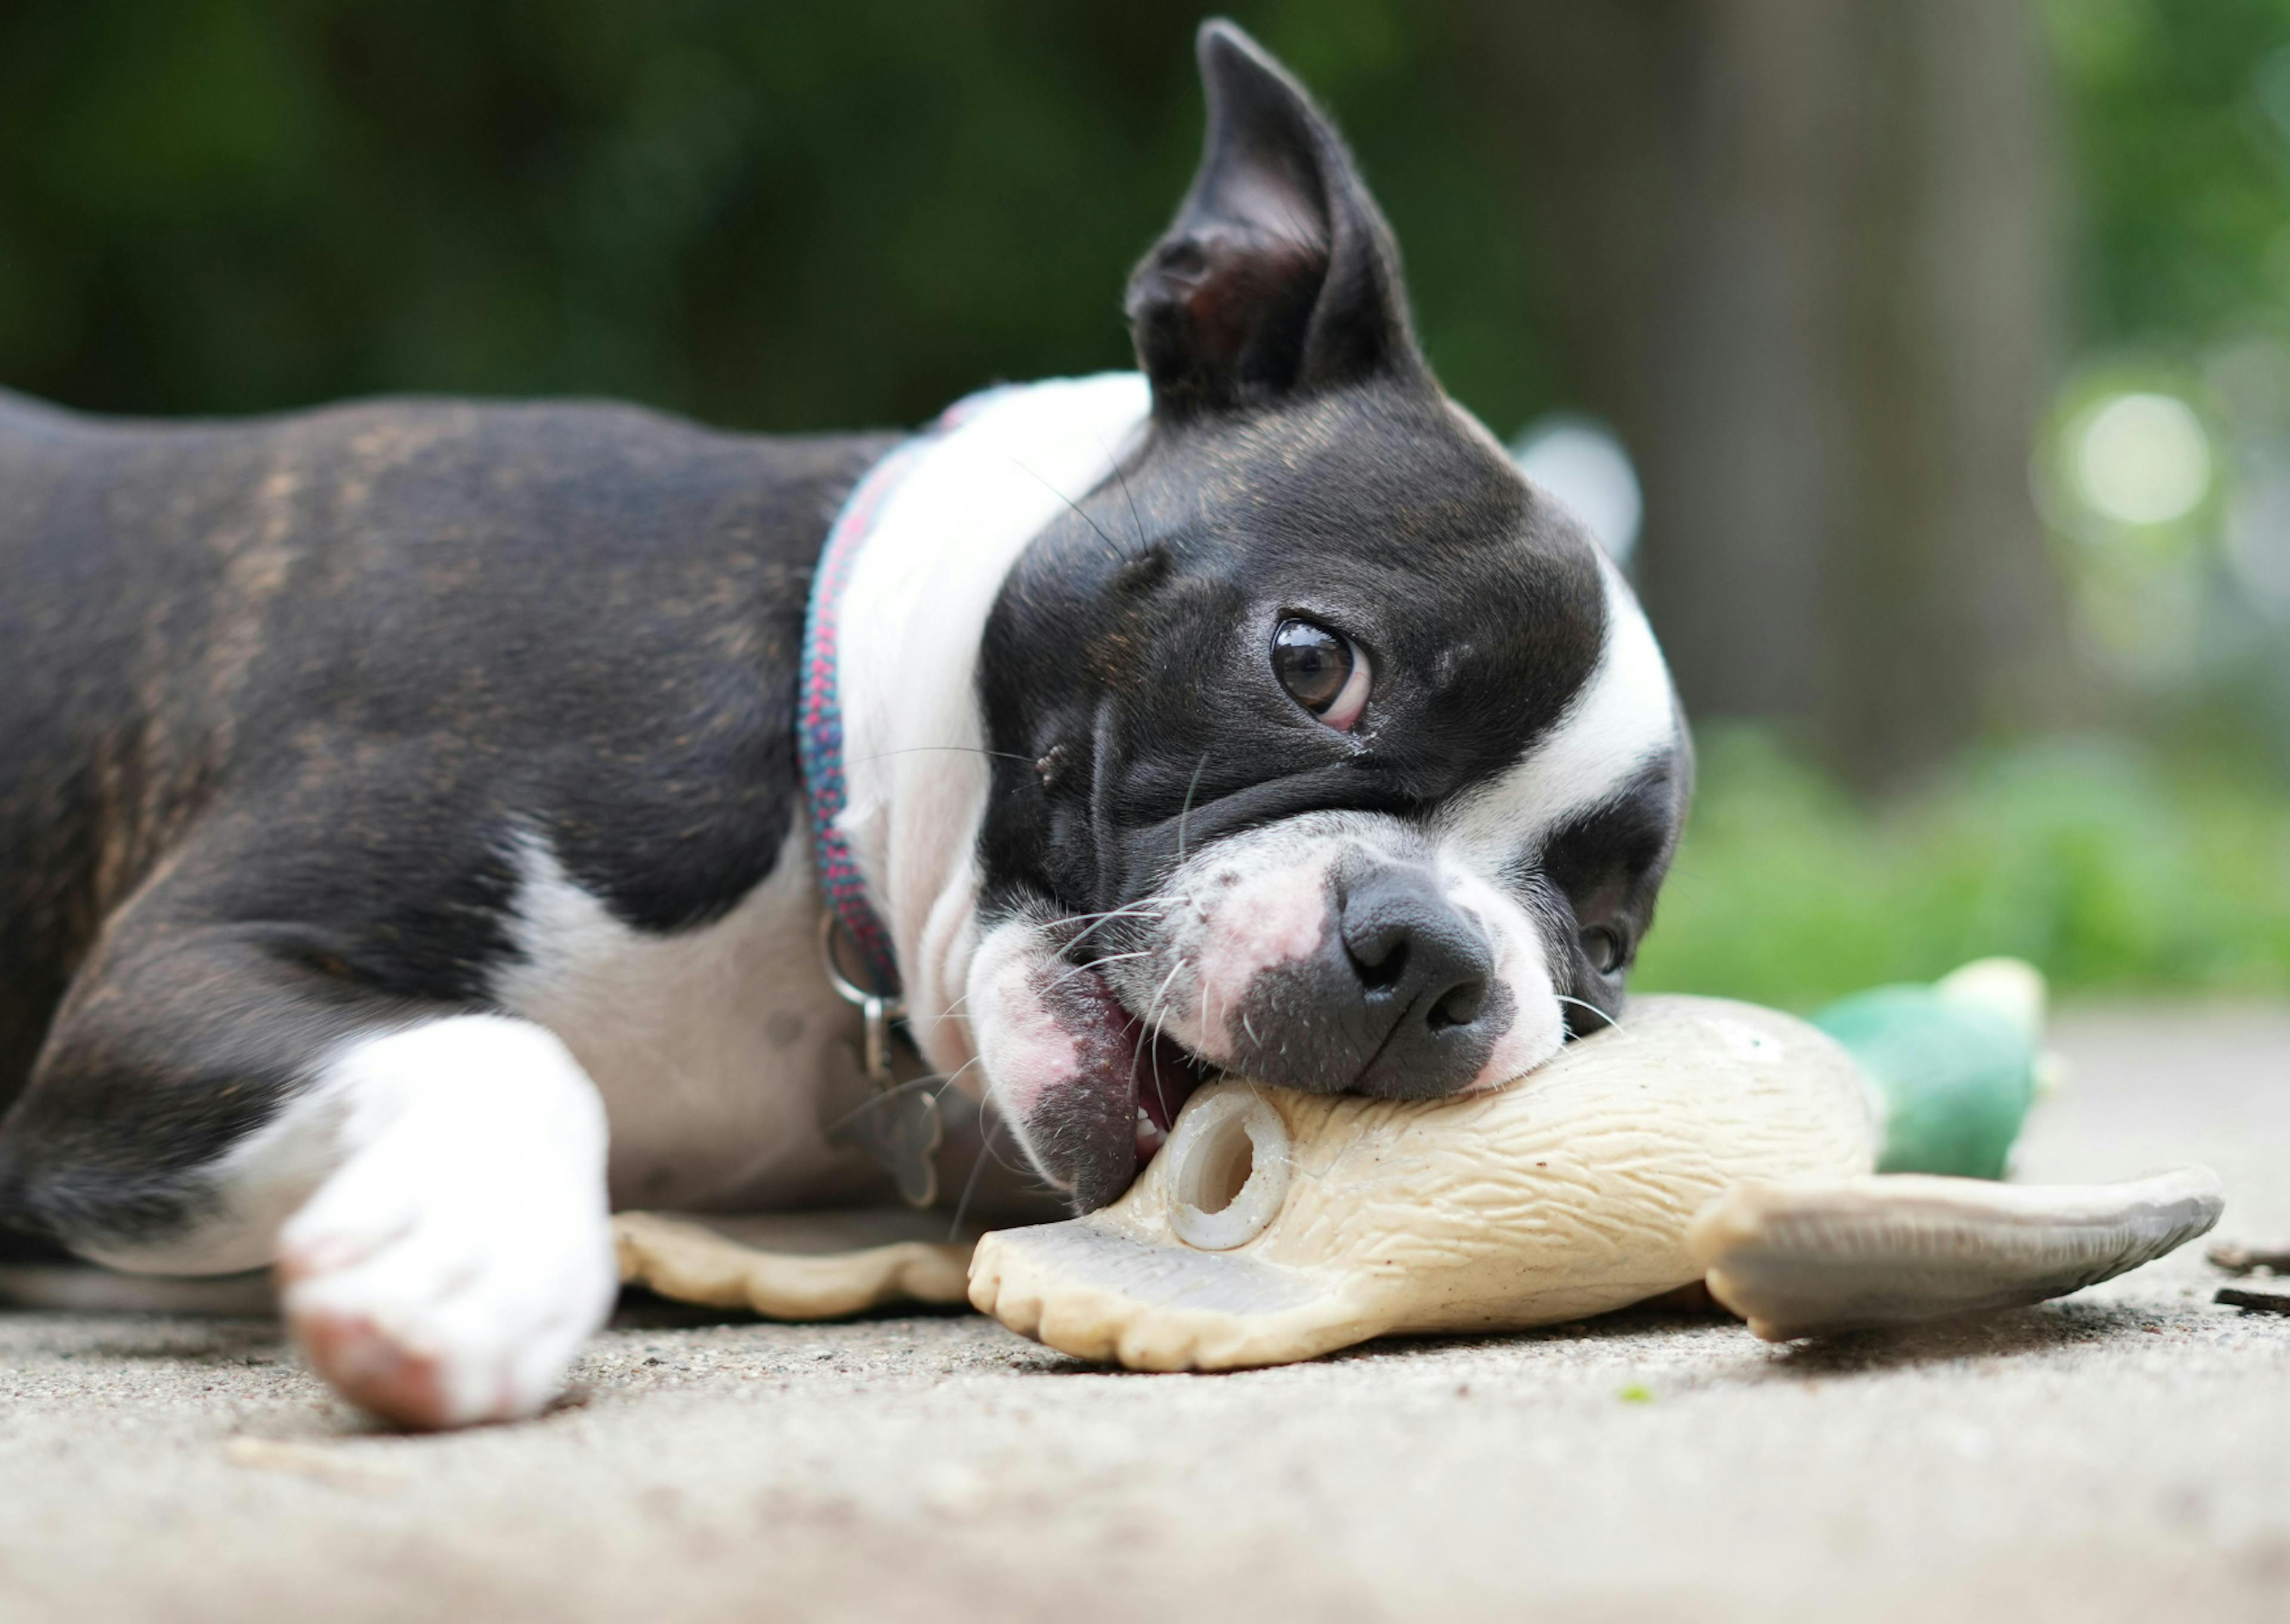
(1279, 274)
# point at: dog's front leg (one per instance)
(429, 1181)
(454, 1263)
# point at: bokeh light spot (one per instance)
(2141, 459)
(1584, 466)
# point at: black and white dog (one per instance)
(404, 857)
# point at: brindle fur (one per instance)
(279, 696)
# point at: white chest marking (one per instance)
(913, 613)
(711, 1047)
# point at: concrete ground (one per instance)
(2123, 1454)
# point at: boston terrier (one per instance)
(408, 810)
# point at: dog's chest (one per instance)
(719, 1051)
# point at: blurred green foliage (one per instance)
(2111, 864)
(2106, 865)
(768, 215)
(782, 216)
(2176, 121)
(2178, 152)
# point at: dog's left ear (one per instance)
(1279, 274)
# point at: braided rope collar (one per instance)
(819, 711)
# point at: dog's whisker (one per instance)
(947, 1081)
(925, 749)
(1132, 910)
(970, 1185)
(1135, 518)
(1185, 811)
(1031, 1174)
(1098, 922)
(1612, 1022)
(1146, 905)
(1094, 964)
(1149, 1041)
(1160, 1089)
(1106, 918)
(877, 1099)
(953, 1008)
(1112, 549)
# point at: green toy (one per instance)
(1958, 1063)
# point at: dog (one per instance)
(407, 809)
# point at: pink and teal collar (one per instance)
(819, 712)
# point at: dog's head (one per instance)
(1325, 748)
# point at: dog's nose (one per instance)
(1399, 1000)
(1424, 969)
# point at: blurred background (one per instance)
(1928, 364)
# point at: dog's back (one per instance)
(235, 611)
(68, 604)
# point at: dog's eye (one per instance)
(1603, 949)
(1323, 671)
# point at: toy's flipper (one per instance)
(1806, 1259)
(1093, 1291)
(795, 1266)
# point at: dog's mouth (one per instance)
(1166, 1073)
(1162, 1072)
(1095, 1135)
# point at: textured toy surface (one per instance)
(1704, 1140)
(1277, 1226)
(795, 1266)
(1810, 1259)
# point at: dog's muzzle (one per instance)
(1400, 1000)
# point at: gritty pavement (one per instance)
(2124, 1454)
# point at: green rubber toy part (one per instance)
(1957, 1078)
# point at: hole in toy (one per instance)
(1229, 1170)
(1221, 1170)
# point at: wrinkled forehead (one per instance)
(1388, 514)
(1401, 480)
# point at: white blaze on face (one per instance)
(1623, 720)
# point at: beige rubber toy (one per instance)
(1703, 1142)
(799, 1266)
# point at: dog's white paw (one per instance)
(450, 1269)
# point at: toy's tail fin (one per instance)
(1806, 1259)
